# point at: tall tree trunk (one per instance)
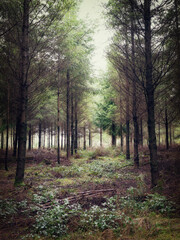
(7, 131)
(44, 143)
(127, 106)
(150, 95)
(90, 137)
(40, 133)
(113, 134)
(23, 93)
(166, 127)
(51, 135)
(134, 98)
(141, 132)
(62, 137)
(67, 116)
(58, 124)
(100, 137)
(29, 146)
(170, 134)
(32, 138)
(84, 145)
(72, 123)
(2, 139)
(76, 127)
(7, 143)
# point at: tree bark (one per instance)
(166, 127)
(100, 137)
(141, 132)
(134, 100)
(2, 139)
(58, 124)
(7, 131)
(62, 136)
(29, 146)
(76, 127)
(84, 145)
(90, 137)
(113, 134)
(23, 95)
(72, 123)
(150, 95)
(67, 116)
(40, 131)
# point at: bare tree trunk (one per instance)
(166, 127)
(76, 127)
(67, 116)
(29, 146)
(127, 111)
(134, 98)
(7, 143)
(100, 137)
(2, 139)
(141, 132)
(113, 134)
(90, 137)
(58, 125)
(24, 89)
(84, 137)
(32, 138)
(40, 133)
(72, 124)
(62, 135)
(150, 95)
(170, 134)
(7, 131)
(51, 135)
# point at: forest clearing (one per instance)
(89, 119)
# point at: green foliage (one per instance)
(54, 221)
(159, 203)
(10, 207)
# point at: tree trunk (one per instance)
(127, 112)
(166, 127)
(141, 132)
(72, 124)
(67, 116)
(113, 134)
(84, 137)
(29, 146)
(100, 137)
(7, 143)
(170, 134)
(2, 139)
(134, 100)
(121, 135)
(7, 131)
(51, 135)
(150, 95)
(62, 136)
(23, 94)
(76, 127)
(90, 138)
(58, 125)
(40, 128)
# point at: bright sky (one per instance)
(92, 10)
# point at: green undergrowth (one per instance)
(114, 218)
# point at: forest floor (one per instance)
(98, 194)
